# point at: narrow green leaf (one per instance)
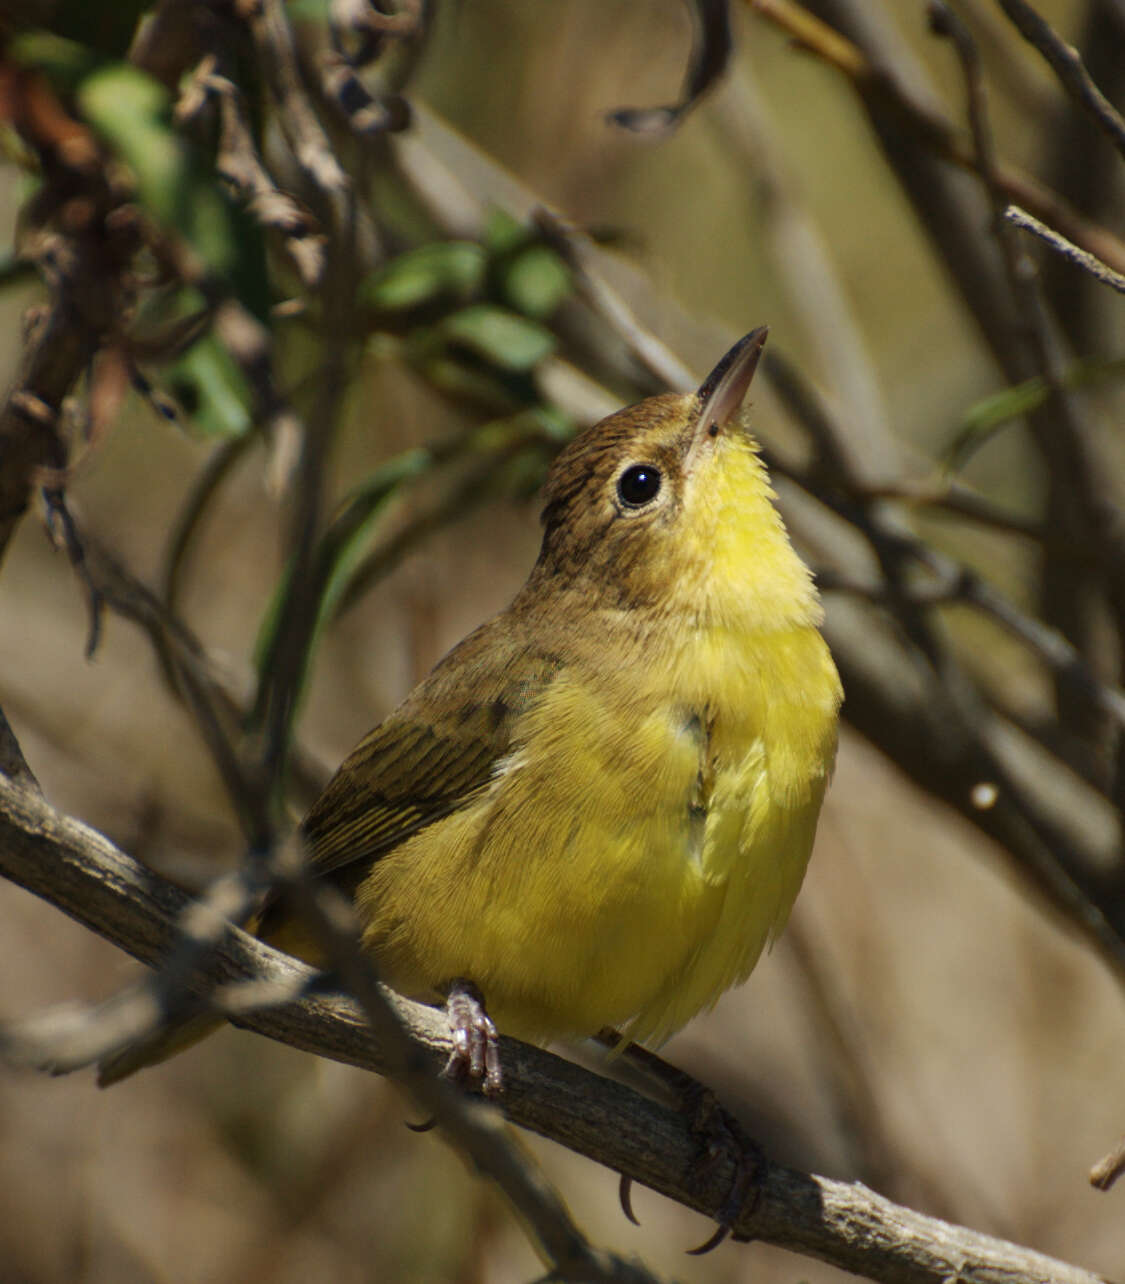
(65, 62)
(442, 269)
(499, 336)
(341, 549)
(987, 416)
(209, 385)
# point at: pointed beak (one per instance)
(722, 392)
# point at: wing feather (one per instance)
(433, 755)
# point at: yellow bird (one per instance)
(598, 808)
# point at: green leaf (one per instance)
(503, 233)
(340, 551)
(96, 29)
(534, 281)
(65, 62)
(499, 336)
(439, 270)
(987, 416)
(132, 112)
(209, 385)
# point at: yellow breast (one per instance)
(686, 824)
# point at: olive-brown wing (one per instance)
(433, 755)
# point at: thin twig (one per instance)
(1081, 507)
(814, 36)
(12, 762)
(1072, 253)
(206, 483)
(311, 145)
(954, 496)
(575, 248)
(1109, 1168)
(238, 161)
(1067, 64)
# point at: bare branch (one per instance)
(839, 1222)
(239, 163)
(1107, 1170)
(12, 762)
(311, 146)
(929, 127)
(1067, 64)
(1072, 253)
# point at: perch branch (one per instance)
(843, 1223)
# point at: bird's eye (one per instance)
(638, 484)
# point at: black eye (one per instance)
(638, 484)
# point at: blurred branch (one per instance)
(1067, 64)
(842, 1223)
(84, 273)
(954, 497)
(876, 85)
(12, 762)
(1109, 1168)
(803, 262)
(277, 58)
(238, 162)
(575, 249)
(711, 49)
(1082, 167)
(1081, 498)
(194, 508)
(1072, 253)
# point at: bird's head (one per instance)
(666, 506)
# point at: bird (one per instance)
(597, 809)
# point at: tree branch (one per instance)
(1067, 64)
(843, 1223)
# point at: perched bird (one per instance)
(598, 808)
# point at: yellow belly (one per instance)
(632, 856)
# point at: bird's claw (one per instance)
(476, 1045)
(625, 1195)
(722, 1139)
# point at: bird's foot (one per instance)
(722, 1139)
(476, 1045)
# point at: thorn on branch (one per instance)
(64, 534)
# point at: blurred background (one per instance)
(931, 1023)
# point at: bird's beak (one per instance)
(722, 392)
